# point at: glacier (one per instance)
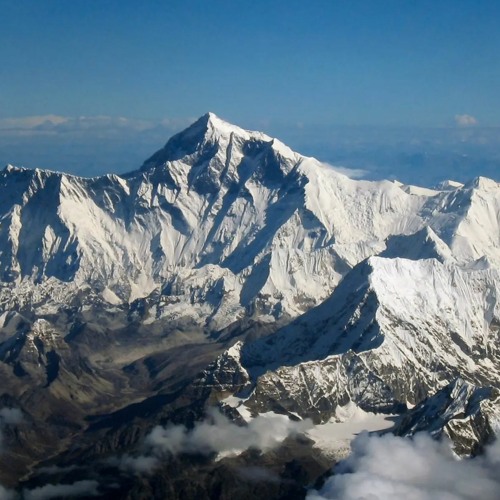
(232, 223)
(231, 271)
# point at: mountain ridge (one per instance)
(230, 271)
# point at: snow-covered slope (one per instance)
(226, 223)
(229, 270)
(393, 332)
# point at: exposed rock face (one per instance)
(230, 271)
(466, 414)
(393, 332)
(224, 223)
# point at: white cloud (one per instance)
(220, 435)
(465, 120)
(30, 122)
(54, 469)
(140, 464)
(216, 434)
(77, 489)
(85, 145)
(394, 468)
(50, 125)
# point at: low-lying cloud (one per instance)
(87, 488)
(55, 124)
(217, 434)
(214, 435)
(131, 464)
(83, 145)
(395, 468)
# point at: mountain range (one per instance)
(231, 272)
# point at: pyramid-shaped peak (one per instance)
(206, 132)
(212, 123)
(213, 118)
(210, 128)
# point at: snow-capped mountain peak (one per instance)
(231, 271)
(208, 134)
(231, 222)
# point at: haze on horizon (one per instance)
(392, 89)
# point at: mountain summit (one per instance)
(208, 131)
(231, 271)
(230, 221)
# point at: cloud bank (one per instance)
(83, 145)
(395, 468)
(46, 125)
(216, 434)
(85, 488)
(220, 435)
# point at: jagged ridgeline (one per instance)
(230, 271)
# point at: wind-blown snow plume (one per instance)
(392, 468)
(352, 173)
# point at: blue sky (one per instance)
(280, 66)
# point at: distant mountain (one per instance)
(230, 271)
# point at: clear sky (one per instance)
(260, 64)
